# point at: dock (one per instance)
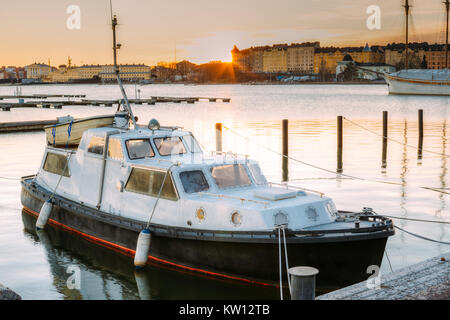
(7, 127)
(8, 294)
(427, 280)
(58, 104)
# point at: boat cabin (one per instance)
(121, 171)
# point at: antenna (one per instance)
(116, 46)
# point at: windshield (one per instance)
(193, 181)
(229, 176)
(192, 144)
(257, 174)
(169, 145)
(139, 149)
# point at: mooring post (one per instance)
(339, 143)
(285, 142)
(218, 137)
(303, 283)
(385, 138)
(419, 150)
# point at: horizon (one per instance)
(152, 32)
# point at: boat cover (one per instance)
(423, 74)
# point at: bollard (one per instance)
(218, 137)
(285, 131)
(419, 151)
(303, 283)
(285, 143)
(385, 138)
(420, 123)
(339, 143)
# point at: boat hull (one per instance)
(402, 86)
(341, 262)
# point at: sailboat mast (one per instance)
(126, 104)
(407, 6)
(447, 5)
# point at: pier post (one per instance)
(339, 143)
(285, 142)
(218, 137)
(303, 283)
(385, 140)
(419, 151)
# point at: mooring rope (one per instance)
(421, 237)
(287, 262)
(390, 265)
(12, 179)
(312, 165)
(418, 220)
(324, 169)
(279, 262)
(159, 193)
(393, 140)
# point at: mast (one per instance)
(407, 6)
(116, 46)
(447, 5)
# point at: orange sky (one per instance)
(201, 30)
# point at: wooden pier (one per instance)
(427, 280)
(7, 127)
(58, 104)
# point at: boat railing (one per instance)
(296, 187)
(226, 196)
(231, 154)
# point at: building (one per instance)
(127, 72)
(326, 59)
(435, 57)
(275, 59)
(296, 58)
(364, 70)
(37, 71)
(249, 60)
(12, 73)
(300, 57)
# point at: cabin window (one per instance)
(229, 176)
(193, 181)
(57, 164)
(115, 149)
(139, 149)
(257, 174)
(97, 145)
(169, 146)
(192, 144)
(149, 182)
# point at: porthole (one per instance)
(236, 218)
(200, 214)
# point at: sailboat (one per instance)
(420, 81)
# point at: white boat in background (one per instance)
(419, 82)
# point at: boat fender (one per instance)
(44, 214)
(142, 248)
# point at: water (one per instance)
(36, 265)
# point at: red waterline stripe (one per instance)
(128, 252)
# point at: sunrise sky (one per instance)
(201, 30)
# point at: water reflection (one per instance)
(106, 274)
